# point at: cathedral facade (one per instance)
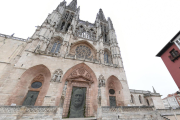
(71, 67)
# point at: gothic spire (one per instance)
(62, 3)
(154, 90)
(73, 5)
(101, 16)
(111, 27)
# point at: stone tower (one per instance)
(68, 58)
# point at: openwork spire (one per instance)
(73, 5)
(101, 16)
(62, 3)
(111, 27)
(154, 90)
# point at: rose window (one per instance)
(83, 51)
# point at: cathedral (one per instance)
(70, 69)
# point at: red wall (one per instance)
(173, 67)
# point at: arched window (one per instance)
(71, 18)
(56, 47)
(147, 102)
(83, 51)
(106, 57)
(132, 99)
(66, 16)
(105, 38)
(67, 27)
(140, 99)
(62, 25)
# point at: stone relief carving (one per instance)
(101, 81)
(77, 103)
(81, 72)
(57, 76)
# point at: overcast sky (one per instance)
(143, 27)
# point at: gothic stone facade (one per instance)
(66, 53)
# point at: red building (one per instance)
(170, 55)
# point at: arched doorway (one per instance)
(80, 78)
(114, 92)
(33, 86)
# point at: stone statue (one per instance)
(77, 104)
(28, 100)
(58, 78)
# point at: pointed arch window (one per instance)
(106, 57)
(56, 47)
(71, 18)
(66, 16)
(147, 102)
(140, 99)
(68, 27)
(62, 25)
(132, 99)
(105, 38)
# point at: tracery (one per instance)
(83, 51)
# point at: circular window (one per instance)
(36, 84)
(83, 51)
(111, 91)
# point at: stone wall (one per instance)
(104, 113)
(28, 112)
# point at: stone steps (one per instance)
(92, 118)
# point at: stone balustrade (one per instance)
(169, 111)
(121, 109)
(11, 37)
(27, 109)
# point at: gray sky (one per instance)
(143, 27)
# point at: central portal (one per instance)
(78, 100)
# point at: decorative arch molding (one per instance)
(80, 75)
(86, 44)
(113, 83)
(37, 73)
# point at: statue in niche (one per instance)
(57, 76)
(101, 81)
(77, 103)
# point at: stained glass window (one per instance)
(36, 84)
(56, 47)
(83, 51)
(106, 57)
